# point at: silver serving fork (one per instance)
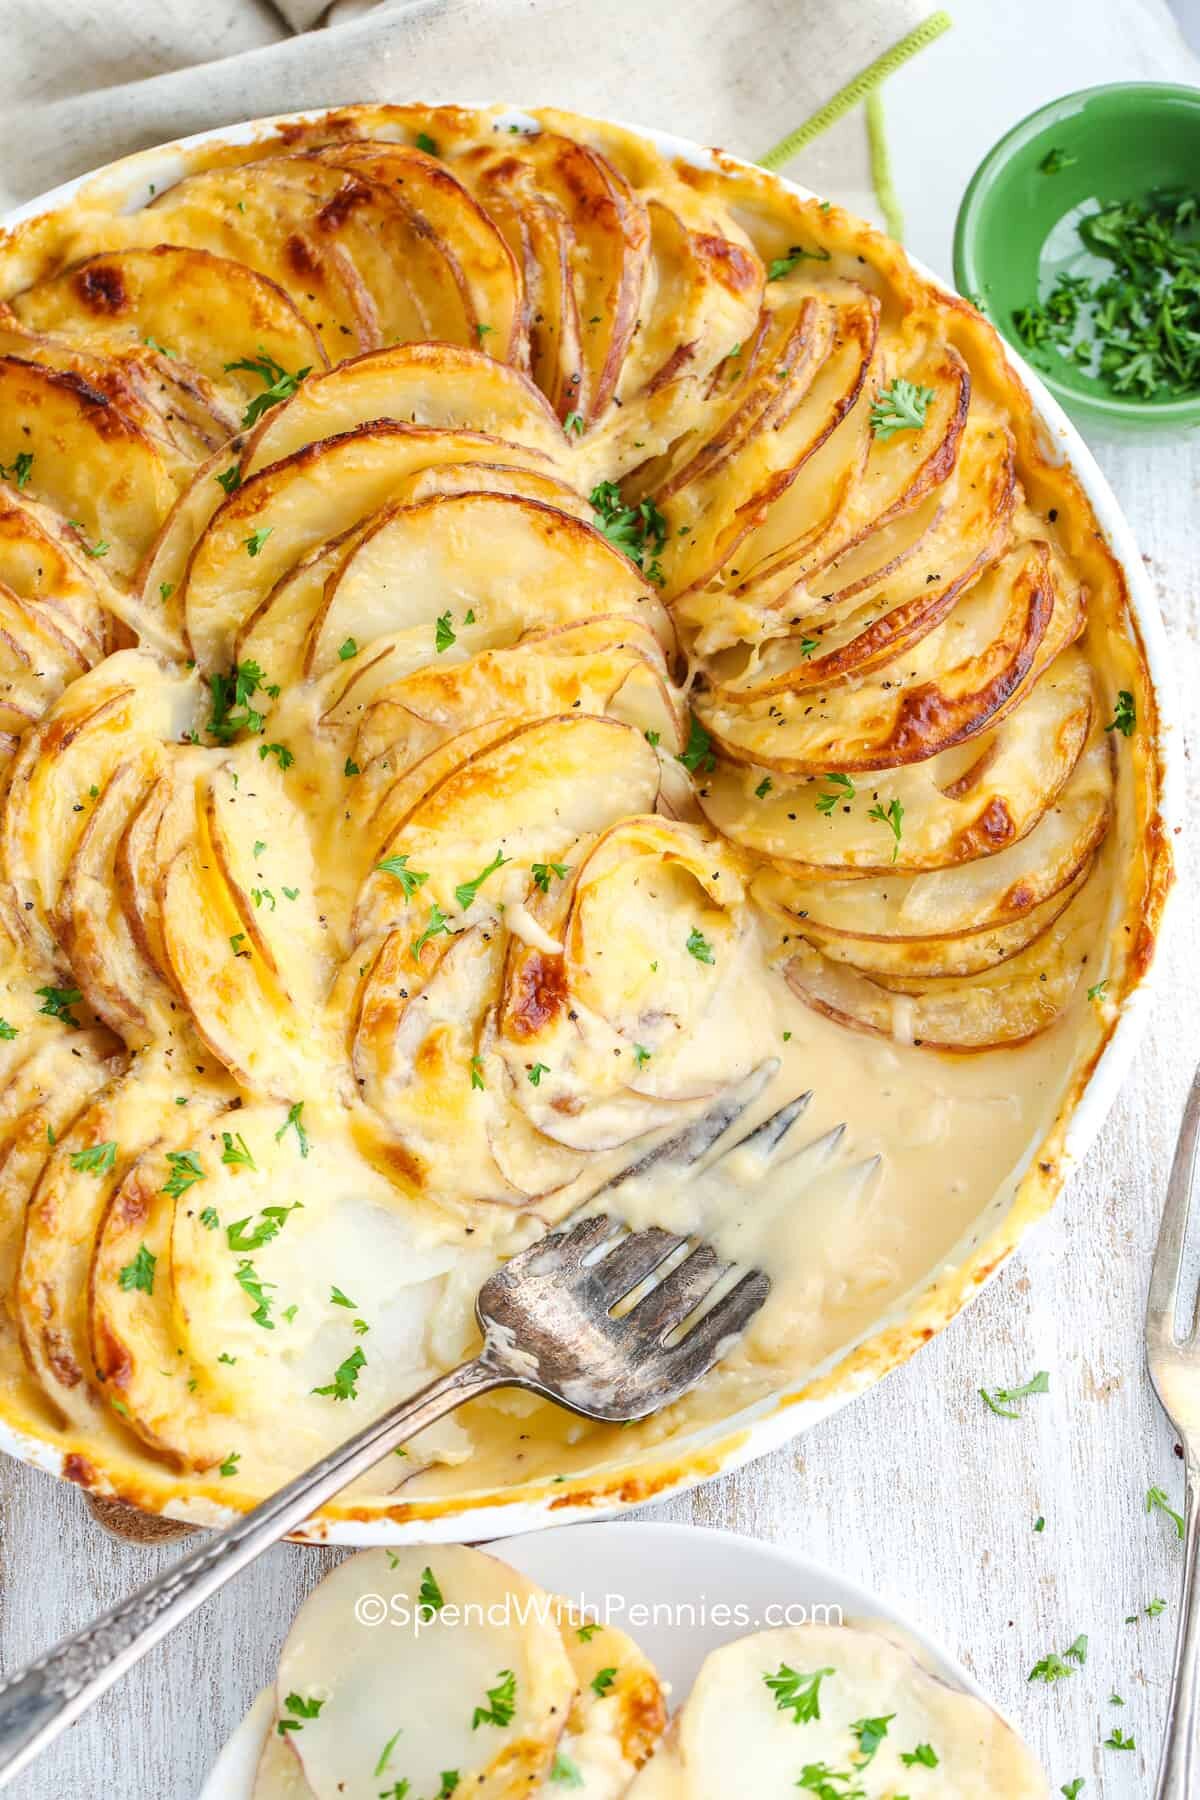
(1173, 1358)
(550, 1324)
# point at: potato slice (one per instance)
(269, 1298)
(206, 310)
(977, 896)
(158, 828)
(129, 699)
(528, 796)
(1000, 1006)
(104, 475)
(965, 803)
(514, 564)
(495, 478)
(942, 690)
(738, 1734)
(618, 1715)
(134, 1112)
(619, 1000)
(38, 569)
(607, 666)
(279, 1775)
(769, 435)
(448, 387)
(301, 503)
(38, 659)
(93, 929)
(414, 1692)
(484, 269)
(581, 237)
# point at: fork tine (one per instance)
(569, 1246)
(689, 1144)
(708, 1340)
(635, 1257)
(678, 1294)
(766, 1138)
(1162, 1324)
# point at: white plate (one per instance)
(725, 1444)
(698, 1589)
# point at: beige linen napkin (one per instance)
(89, 80)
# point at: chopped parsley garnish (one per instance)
(386, 1752)
(602, 1680)
(641, 1055)
(840, 788)
(829, 1784)
(165, 590)
(283, 756)
(502, 1702)
(20, 470)
(1073, 1789)
(923, 1757)
(635, 530)
(350, 767)
(482, 331)
(300, 1709)
(1056, 160)
(293, 1123)
(585, 1633)
(229, 1466)
(278, 384)
(186, 1171)
(698, 757)
(565, 1771)
(1000, 1399)
(273, 1220)
(138, 1274)
(1117, 1740)
(57, 1002)
(1050, 1668)
(437, 926)
(236, 942)
(1154, 1607)
(430, 1597)
(796, 1693)
(231, 478)
(443, 633)
(97, 1159)
(210, 1219)
(783, 265)
(347, 649)
(477, 1072)
(1099, 991)
(891, 815)
(536, 1072)
(699, 946)
(257, 539)
(901, 406)
(1136, 330)
(1156, 1497)
(426, 143)
(870, 1734)
(246, 1276)
(542, 872)
(466, 891)
(1078, 1650)
(100, 548)
(344, 1385)
(231, 696)
(337, 1298)
(1124, 717)
(763, 788)
(573, 424)
(410, 879)
(236, 1151)
(7, 1031)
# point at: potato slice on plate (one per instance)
(489, 566)
(450, 387)
(106, 477)
(794, 1703)
(281, 514)
(618, 1716)
(420, 1699)
(206, 310)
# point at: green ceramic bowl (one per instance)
(1016, 226)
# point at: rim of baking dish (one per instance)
(727, 1444)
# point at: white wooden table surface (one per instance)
(916, 1489)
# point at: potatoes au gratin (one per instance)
(504, 629)
(437, 1672)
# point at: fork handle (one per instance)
(1179, 1770)
(40, 1700)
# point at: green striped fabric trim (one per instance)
(854, 91)
(881, 169)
